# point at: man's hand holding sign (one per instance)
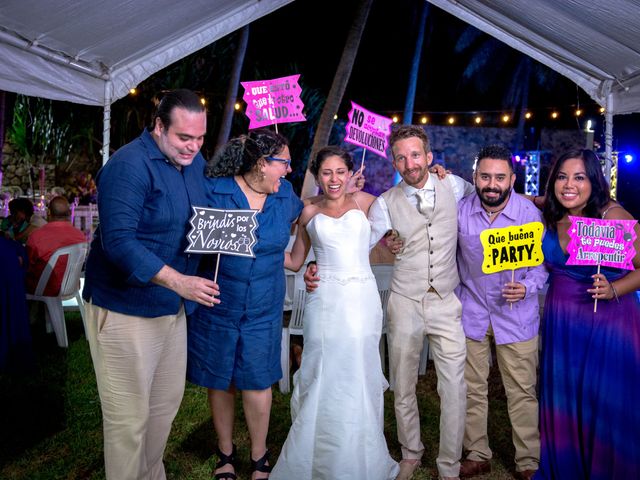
(222, 231)
(511, 248)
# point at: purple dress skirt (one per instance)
(589, 376)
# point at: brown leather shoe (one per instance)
(471, 468)
(525, 474)
(407, 468)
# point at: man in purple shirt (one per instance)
(495, 308)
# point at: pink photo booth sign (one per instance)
(605, 242)
(273, 101)
(368, 130)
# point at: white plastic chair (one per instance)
(85, 218)
(70, 288)
(383, 273)
(294, 328)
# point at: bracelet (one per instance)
(615, 293)
(311, 262)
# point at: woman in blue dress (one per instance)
(590, 366)
(236, 345)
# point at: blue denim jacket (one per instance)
(144, 204)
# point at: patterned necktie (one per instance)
(421, 196)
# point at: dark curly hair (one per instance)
(409, 131)
(598, 200)
(330, 151)
(241, 154)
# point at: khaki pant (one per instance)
(439, 320)
(518, 363)
(140, 366)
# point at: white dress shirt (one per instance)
(379, 212)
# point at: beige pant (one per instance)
(140, 366)
(409, 322)
(518, 363)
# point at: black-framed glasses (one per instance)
(286, 161)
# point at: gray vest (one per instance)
(428, 259)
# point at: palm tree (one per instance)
(415, 65)
(491, 59)
(337, 90)
(232, 91)
(2, 113)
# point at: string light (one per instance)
(237, 106)
(335, 117)
(203, 101)
(133, 91)
(497, 118)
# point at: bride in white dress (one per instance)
(337, 400)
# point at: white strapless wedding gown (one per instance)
(337, 400)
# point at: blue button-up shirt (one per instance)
(481, 293)
(144, 203)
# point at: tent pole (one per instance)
(608, 138)
(106, 122)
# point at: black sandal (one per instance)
(225, 460)
(260, 464)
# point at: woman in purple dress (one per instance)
(589, 397)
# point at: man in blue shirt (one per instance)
(138, 276)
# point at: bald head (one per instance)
(59, 209)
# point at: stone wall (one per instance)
(453, 147)
(15, 172)
(456, 147)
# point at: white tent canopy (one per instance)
(94, 52)
(595, 43)
(84, 52)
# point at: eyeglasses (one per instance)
(287, 162)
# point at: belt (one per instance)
(432, 290)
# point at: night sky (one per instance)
(308, 38)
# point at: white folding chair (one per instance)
(383, 273)
(70, 288)
(294, 328)
(85, 218)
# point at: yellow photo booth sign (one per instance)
(510, 248)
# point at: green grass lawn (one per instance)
(50, 423)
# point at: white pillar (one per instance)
(106, 122)
(608, 137)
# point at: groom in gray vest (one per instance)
(422, 210)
